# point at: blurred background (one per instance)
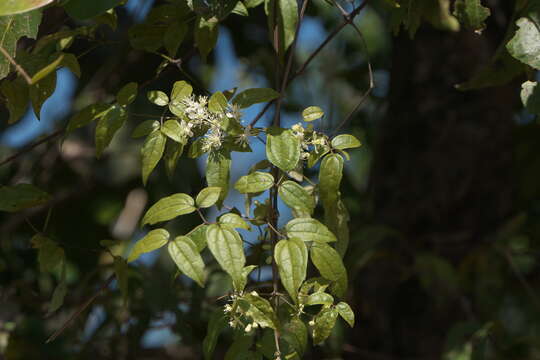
(443, 194)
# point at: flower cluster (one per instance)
(199, 117)
(309, 137)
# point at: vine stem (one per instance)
(348, 19)
(18, 67)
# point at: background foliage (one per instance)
(443, 194)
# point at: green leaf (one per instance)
(316, 154)
(58, 297)
(282, 148)
(121, 272)
(234, 220)
(346, 313)
(145, 128)
(151, 152)
(16, 97)
(107, 126)
(218, 169)
(525, 45)
(180, 91)
(173, 37)
(41, 91)
(530, 96)
(173, 151)
(312, 113)
(330, 175)
(218, 102)
(291, 257)
(254, 182)
(47, 70)
(345, 141)
(11, 7)
(208, 196)
(50, 255)
(319, 298)
(240, 9)
(173, 130)
(168, 208)
(206, 34)
(87, 115)
(184, 253)
(254, 96)
(148, 37)
(21, 196)
(152, 241)
(158, 97)
(197, 149)
(12, 28)
(324, 323)
(295, 334)
(226, 246)
(472, 14)
(217, 323)
(327, 260)
(71, 62)
(127, 93)
(198, 236)
(308, 229)
(296, 197)
(84, 9)
(287, 17)
(260, 311)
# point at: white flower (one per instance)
(227, 308)
(248, 328)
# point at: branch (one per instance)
(31, 146)
(347, 20)
(18, 67)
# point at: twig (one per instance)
(348, 19)
(32, 146)
(80, 310)
(18, 67)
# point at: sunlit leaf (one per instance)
(295, 333)
(158, 97)
(12, 28)
(530, 96)
(324, 323)
(525, 45)
(172, 129)
(218, 102)
(346, 313)
(168, 208)
(282, 148)
(308, 229)
(319, 298)
(184, 253)
(198, 236)
(312, 113)
(226, 246)
(21, 196)
(254, 96)
(287, 17)
(260, 311)
(234, 220)
(296, 197)
(327, 260)
(173, 151)
(471, 13)
(151, 152)
(152, 241)
(180, 91)
(345, 141)
(208, 196)
(254, 182)
(11, 7)
(291, 257)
